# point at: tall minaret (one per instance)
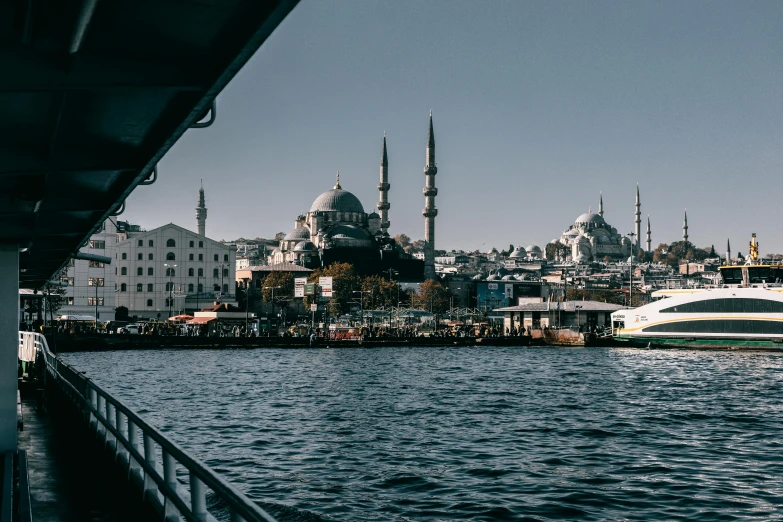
(383, 187)
(201, 212)
(728, 252)
(649, 238)
(638, 220)
(430, 211)
(685, 227)
(601, 205)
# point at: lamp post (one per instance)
(361, 303)
(630, 275)
(269, 321)
(171, 284)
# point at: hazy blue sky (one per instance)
(538, 106)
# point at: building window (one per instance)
(170, 272)
(96, 264)
(171, 243)
(190, 257)
(201, 257)
(215, 273)
(91, 301)
(124, 255)
(191, 244)
(149, 302)
(139, 287)
(170, 256)
(140, 256)
(94, 281)
(201, 244)
(123, 287)
(225, 257)
(200, 288)
(216, 288)
(170, 286)
(139, 271)
(124, 271)
(190, 288)
(141, 242)
(190, 272)
(216, 257)
(225, 289)
(149, 287)
(151, 244)
(225, 272)
(150, 271)
(100, 245)
(201, 272)
(149, 257)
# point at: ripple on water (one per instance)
(471, 434)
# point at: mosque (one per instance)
(337, 229)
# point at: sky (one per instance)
(538, 107)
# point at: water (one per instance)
(472, 433)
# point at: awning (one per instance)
(200, 320)
(180, 318)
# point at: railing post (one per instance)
(101, 407)
(198, 499)
(170, 478)
(119, 424)
(93, 398)
(110, 419)
(133, 441)
(149, 457)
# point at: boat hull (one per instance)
(711, 343)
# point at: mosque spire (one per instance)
(383, 188)
(649, 238)
(728, 251)
(430, 211)
(638, 220)
(337, 185)
(201, 211)
(601, 204)
(685, 227)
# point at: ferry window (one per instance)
(123, 287)
(149, 302)
(124, 271)
(758, 274)
(149, 271)
(170, 256)
(139, 271)
(149, 287)
(171, 243)
(732, 276)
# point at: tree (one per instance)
(403, 240)
(279, 236)
(382, 293)
(432, 296)
(121, 313)
(344, 282)
(417, 246)
(555, 251)
(284, 280)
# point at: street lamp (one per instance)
(171, 284)
(361, 303)
(269, 321)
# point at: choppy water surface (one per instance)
(472, 433)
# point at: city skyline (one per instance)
(539, 108)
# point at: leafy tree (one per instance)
(555, 251)
(279, 236)
(417, 246)
(403, 240)
(344, 282)
(383, 293)
(284, 280)
(121, 313)
(432, 296)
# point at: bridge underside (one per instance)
(93, 94)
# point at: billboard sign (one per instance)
(299, 286)
(326, 286)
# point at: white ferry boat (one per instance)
(745, 311)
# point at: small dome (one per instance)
(298, 234)
(305, 246)
(337, 200)
(518, 252)
(373, 215)
(533, 248)
(347, 232)
(590, 217)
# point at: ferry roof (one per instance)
(566, 306)
(93, 95)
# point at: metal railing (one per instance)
(150, 459)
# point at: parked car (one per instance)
(130, 329)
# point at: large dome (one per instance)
(590, 217)
(298, 234)
(337, 200)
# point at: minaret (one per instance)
(601, 205)
(728, 252)
(685, 227)
(638, 220)
(430, 211)
(383, 187)
(649, 239)
(201, 212)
